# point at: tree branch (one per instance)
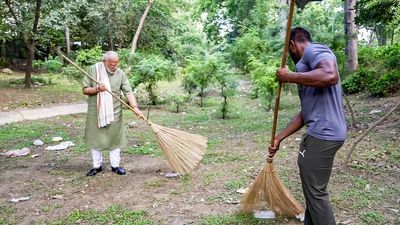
(366, 132)
(8, 3)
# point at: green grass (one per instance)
(8, 216)
(210, 177)
(233, 185)
(222, 157)
(50, 207)
(237, 219)
(116, 215)
(154, 183)
(19, 135)
(357, 197)
(373, 218)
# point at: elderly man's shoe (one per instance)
(94, 171)
(119, 170)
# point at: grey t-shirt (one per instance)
(322, 108)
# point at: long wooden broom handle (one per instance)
(92, 78)
(283, 63)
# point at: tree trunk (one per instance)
(67, 40)
(351, 36)
(381, 34)
(29, 63)
(139, 29)
(31, 44)
(201, 96)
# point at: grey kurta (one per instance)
(113, 135)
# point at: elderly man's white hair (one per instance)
(110, 55)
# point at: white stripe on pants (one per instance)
(97, 156)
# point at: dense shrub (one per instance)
(72, 72)
(378, 71)
(357, 81)
(88, 57)
(385, 85)
(250, 44)
(4, 62)
(149, 70)
(53, 64)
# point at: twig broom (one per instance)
(183, 150)
(267, 189)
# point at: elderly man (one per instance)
(104, 126)
(322, 113)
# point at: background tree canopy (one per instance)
(184, 33)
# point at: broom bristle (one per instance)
(183, 150)
(267, 191)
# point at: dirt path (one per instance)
(40, 113)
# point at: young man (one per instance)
(322, 112)
(104, 127)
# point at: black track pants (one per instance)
(315, 162)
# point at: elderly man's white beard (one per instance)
(109, 71)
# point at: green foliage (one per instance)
(358, 81)
(250, 44)
(53, 64)
(8, 215)
(378, 73)
(72, 72)
(88, 57)
(373, 218)
(149, 70)
(178, 101)
(4, 62)
(117, 215)
(263, 77)
(36, 79)
(200, 72)
(20, 135)
(325, 22)
(227, 85)
(386, 84)
(189, 83)
(233, 185)
(380, 16)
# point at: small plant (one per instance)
(186, 179)
(53, 64)
(178, 101)
(263, 77)
(149, 70)
(227, 85)
(38, 64)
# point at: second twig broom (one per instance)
(267, 191)
(183, 150)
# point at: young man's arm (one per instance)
(296, 124)
(324, 75)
